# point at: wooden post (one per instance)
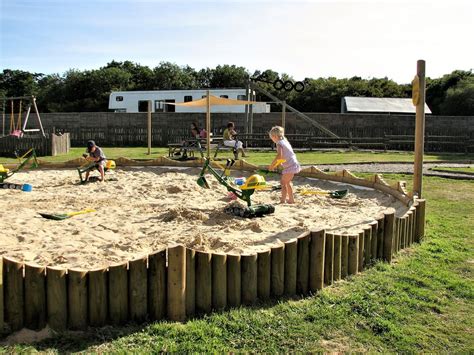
(278, 270)
(283, 114)
(329, 259)
(149, 126)
(176, 283)
(302, 269)
(361, 251)
(234, 289)
(396, 235)
(404, 231)
(373, 247)
(413, 224)
(208, 124)
(35, 297)
(97, 297)
(118, 293)
(419, 128)
(157, 285)
(14, 293)
(344, 256)
(2, 304)
(137, 289)
(420, 221)
(263, 274)
(367, 245)
(380, 234)
(353, 254)
(190, 282)
(337, 257)
(249, 278)
(316, 260)
(77, 299)
(203, 282)
(388, 236)
(219, 281)
(56, 297)
(291, 252)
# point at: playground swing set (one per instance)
(18, 124)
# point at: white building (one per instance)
(351, 104)
(137, 101)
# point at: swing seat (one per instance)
(17, 133)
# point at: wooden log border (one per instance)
(178, 282)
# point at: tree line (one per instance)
(89, 90)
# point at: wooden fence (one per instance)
(177, 283)
(51, 145)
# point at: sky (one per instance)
(312, 38)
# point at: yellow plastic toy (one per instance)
(3, 170)
(255, 182)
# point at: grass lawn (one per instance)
(423, 302)
(265, 157)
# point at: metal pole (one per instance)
(252, 96)
(3, 117)
(283, 114)
(419, 129)
(208, 124)
(149, 126)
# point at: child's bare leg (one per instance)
(286, 184)
(283, 190)
(102, 173)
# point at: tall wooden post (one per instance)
(149, 126)
(419, 86)
(208, 124)
(283, 113)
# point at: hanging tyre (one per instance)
(278, 84)
(299, 86)
(288, 86)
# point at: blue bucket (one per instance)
(26, 188)
(239, 181)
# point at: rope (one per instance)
(18, 124)
(12, 117)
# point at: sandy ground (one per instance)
(146, 209)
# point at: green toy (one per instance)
(254, 182)
(6, 173)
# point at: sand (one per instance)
(146, 209)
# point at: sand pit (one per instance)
(149, 208)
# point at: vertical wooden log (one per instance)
(190, 282)
(137, 289)
(249, 278)
(396, 235)
(389, 218)
(157, 285)
(77, 299)
(97, 292)
(203, 282)
(420, 220)
(291, 251)
(263, 275)
(219, 281)
(344, 256)
(2, 303)
(367, 245)
(353, 254)
(329, 259)
(234, 289)
(405, 231)
(413, 225)
(13, 293)
(380, 236)
(316, 260)
(373, 247)
(118, 293)
(337, 257)
(278, 270)
(302, 268)
(35, 297)
(56, 297)
(176, 283)
(361, 251)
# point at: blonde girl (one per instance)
(290, 166)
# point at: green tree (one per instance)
(459, 99)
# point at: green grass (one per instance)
(265, 157)
(423, 302)
(468, 169)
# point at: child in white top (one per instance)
(290, 166)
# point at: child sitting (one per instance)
(230, 141)
(96, 154)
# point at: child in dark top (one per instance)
(97, 155)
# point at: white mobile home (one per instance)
(137, 101)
